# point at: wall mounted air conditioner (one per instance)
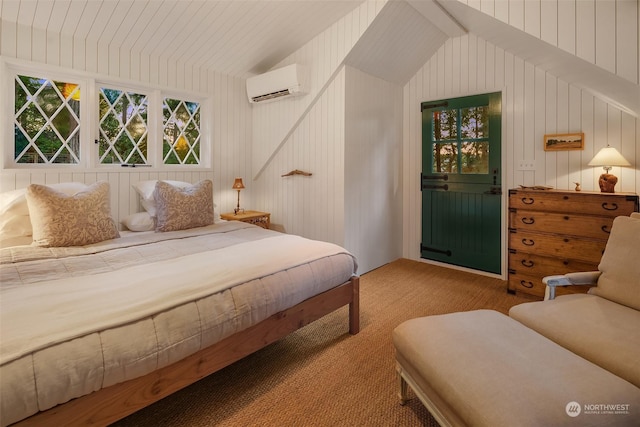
(276, 84)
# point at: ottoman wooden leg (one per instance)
(403, 387)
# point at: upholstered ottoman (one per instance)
(482, 368)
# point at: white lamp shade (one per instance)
(609, 156)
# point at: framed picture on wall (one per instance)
(564, 141)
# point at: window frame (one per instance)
(205, 152)
(90, 85)
(151, 129)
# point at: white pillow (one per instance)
(14, 202)
(141, 221)
(145, 190)
(14, 212)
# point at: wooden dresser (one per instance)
(557, 232)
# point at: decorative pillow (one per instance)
(14, 212)
(140, 221)
(146, 188)
(62, 220)
(183, 208)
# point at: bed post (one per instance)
(354, 306)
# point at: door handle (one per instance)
(447, 252)
(444, 177)
(435, 187)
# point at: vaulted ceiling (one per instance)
(234, 37)
(246, 37)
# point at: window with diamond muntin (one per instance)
(46, 121)
(181, 123)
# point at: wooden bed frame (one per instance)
(110, 404)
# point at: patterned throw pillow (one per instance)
(15, 224)
(183, 208)
(62, 220)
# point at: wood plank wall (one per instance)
(229, 118)
(604, 33)
(373, 163)
(308, 133)
(534, 102)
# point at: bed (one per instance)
(91, 333)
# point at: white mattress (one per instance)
(75, 320)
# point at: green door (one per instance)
(461, 176)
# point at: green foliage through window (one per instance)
(123, 127)
(131, 126)
(46, 121)
(460, 140)
(181, 143)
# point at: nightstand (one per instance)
(262, 219)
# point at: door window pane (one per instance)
(474, 122)
(475, 157)
(445, 125)
(445, 157)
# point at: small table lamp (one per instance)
(238, 185)
(607, 158)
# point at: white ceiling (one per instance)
(245, 37)
(234, 37)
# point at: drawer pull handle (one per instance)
(605, 229)
(527, 200)
(528, 221)
(528, 242)
(528, 285)
(565, 240)
(609, 206)
(527, 263)
(565, 262)
(566, 218)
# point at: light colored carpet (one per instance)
(321, 375)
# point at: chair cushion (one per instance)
(620, 278)
(597, 329)
(492, 371)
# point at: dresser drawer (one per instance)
(532, 285)
(563, 247)
(597, 227)
(541, 266)
(589, 203)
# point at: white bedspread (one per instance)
(74, 320)
(42, 314)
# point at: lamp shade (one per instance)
(237, 184)
(609, 156)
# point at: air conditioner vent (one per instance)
(276, 84)
(273, 95)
